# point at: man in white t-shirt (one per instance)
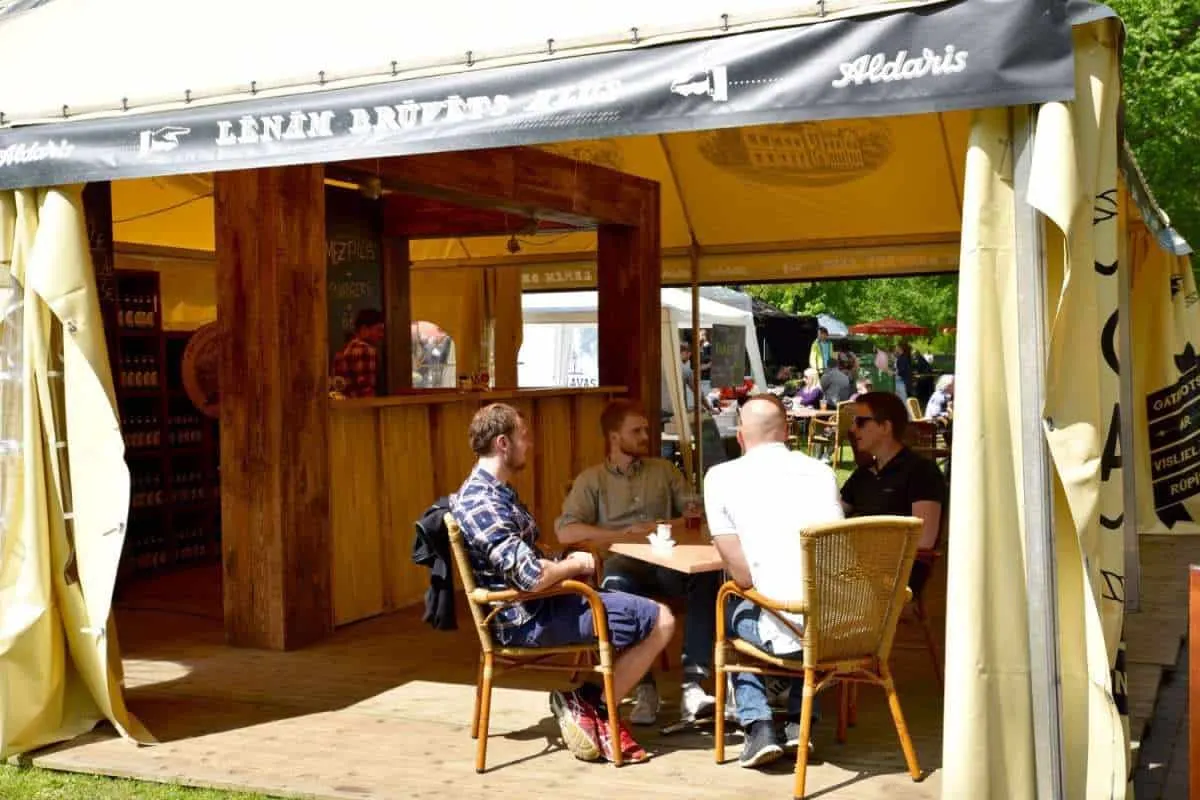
(757, 506)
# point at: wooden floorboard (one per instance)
(381, 710)
(1154, 636)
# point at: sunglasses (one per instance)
(860, 421)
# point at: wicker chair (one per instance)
(928, 438)
(854, 576)
(833, 432)
(493, 657)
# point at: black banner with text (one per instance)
(977, 54)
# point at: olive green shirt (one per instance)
(606, 497)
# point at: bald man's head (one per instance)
(764, 421)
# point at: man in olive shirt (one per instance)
(625, 496)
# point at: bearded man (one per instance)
(625, 497)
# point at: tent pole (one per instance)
(698, 448)
(1133, 562)
(1040, 561)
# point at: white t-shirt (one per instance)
(766, 498)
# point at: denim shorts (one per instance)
(567, 619)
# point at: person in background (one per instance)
(941, 402)
(625, 497)
(863, 386)
(705, 361)
(882, 362)
(904, 370)
(810, 393)
(758, 538)
(890, 478)
(835, 384)
(501, 539)
(357, 363)
(820, 355)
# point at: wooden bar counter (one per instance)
(391, 457)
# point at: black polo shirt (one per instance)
(908, 478)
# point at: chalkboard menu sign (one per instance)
(728, 355)
(354, 258)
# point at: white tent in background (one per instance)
(837, 329)
(559, 344)
(558, 348)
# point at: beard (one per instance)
(634, 449)
(513, 462)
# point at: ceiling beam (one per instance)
(520, 180)
(414, 217)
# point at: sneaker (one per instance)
(645, 705)
(762, 746)
(791, 737)
(631, 751)
(577, 720)
(695, 702)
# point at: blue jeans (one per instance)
(749, 691)
(630, 575)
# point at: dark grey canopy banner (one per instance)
(970, 54)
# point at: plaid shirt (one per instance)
(357, 365)
(501, 538)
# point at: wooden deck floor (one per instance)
(381, 711)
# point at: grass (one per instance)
(22, 783)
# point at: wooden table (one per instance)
(693, 551)
(804, 412)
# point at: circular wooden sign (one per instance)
(200, 369)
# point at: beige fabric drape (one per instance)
(988, 744)
(64, 516)
(988, 734)
(1075, 187)
(1165, 386)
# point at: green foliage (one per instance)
(931, 302)
(1161, 66)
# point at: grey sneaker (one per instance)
(791, 737)
(762, 746)
(646, 704)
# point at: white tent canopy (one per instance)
(106, 64)
(543, 363)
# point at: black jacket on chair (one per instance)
(431, 548)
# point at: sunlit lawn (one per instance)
(39, 784)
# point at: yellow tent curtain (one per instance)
(1166, 387)
(988, 740)
(66, 487)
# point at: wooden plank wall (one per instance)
(388, 463)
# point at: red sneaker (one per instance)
(631, 751)
(577, 720)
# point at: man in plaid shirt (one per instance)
(357, 364)
(501, 538)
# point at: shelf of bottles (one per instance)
(171, 449)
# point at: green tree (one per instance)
(1161, 66)
(927, 301)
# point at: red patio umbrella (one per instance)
(888, 327)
